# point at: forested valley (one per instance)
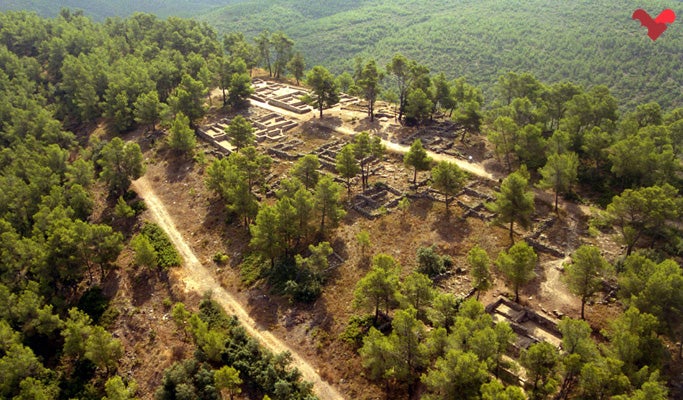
(101, 9)
(589, 43)
(579, 178)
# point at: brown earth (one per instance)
(177, 199)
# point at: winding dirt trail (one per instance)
(471, 167)
(198, 278)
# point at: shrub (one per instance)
(122, 209)
(167, 256)
(212, 313)
(357, 329)
(220, 258)
(430, 262)
(139, 206)
(252, 267)
(304, 292)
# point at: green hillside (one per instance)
(100, 9)
(590, 42)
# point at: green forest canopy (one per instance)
(70, 72)
(587, 42)
(100, 9)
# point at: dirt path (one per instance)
(472, 168)
(198, 278)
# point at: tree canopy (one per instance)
(323, 87)
(514, 202)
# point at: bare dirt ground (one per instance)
(197, 277)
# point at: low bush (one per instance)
(167, 256)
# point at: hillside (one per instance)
(101, 9)
(177, 226)
(589, 43)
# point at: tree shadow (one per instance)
(340, 248)
(421, 208)
(365, 125)
(314, 128)
(143, 282)
(217, 215)
(320, 316)
(110, 282)
(451, 226)
(178, 167)
(352, 216)
(314, 315)
(149, 139)
(535, 286)
(406, 225)
(329, 121)
(264, 307)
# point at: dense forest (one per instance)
(71, 91)
(55, 254)
(589, 43)
(101, 9)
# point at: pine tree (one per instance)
(181, 137)
(145, 255)
(240, 132)
(102, 349)
(585, 273)
(147, 109)
(448, 179)
(365, 147)
(323, 87)
(541, 362)
(378, 288)
(408, 353)
(122, 209)
(264, 234)
(228, 378)
(347, 165)
(417, 292)
(239, 89)
(327, 203)
(306, 170)
(116, 389)
(517, 264)
(458, 375)
(296, 66)
(120, 163)
(514, 202)
(503, 136)
(369, 82)
(559, 173)
(480, 271)
(417, 158)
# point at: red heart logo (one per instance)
(657, 26)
